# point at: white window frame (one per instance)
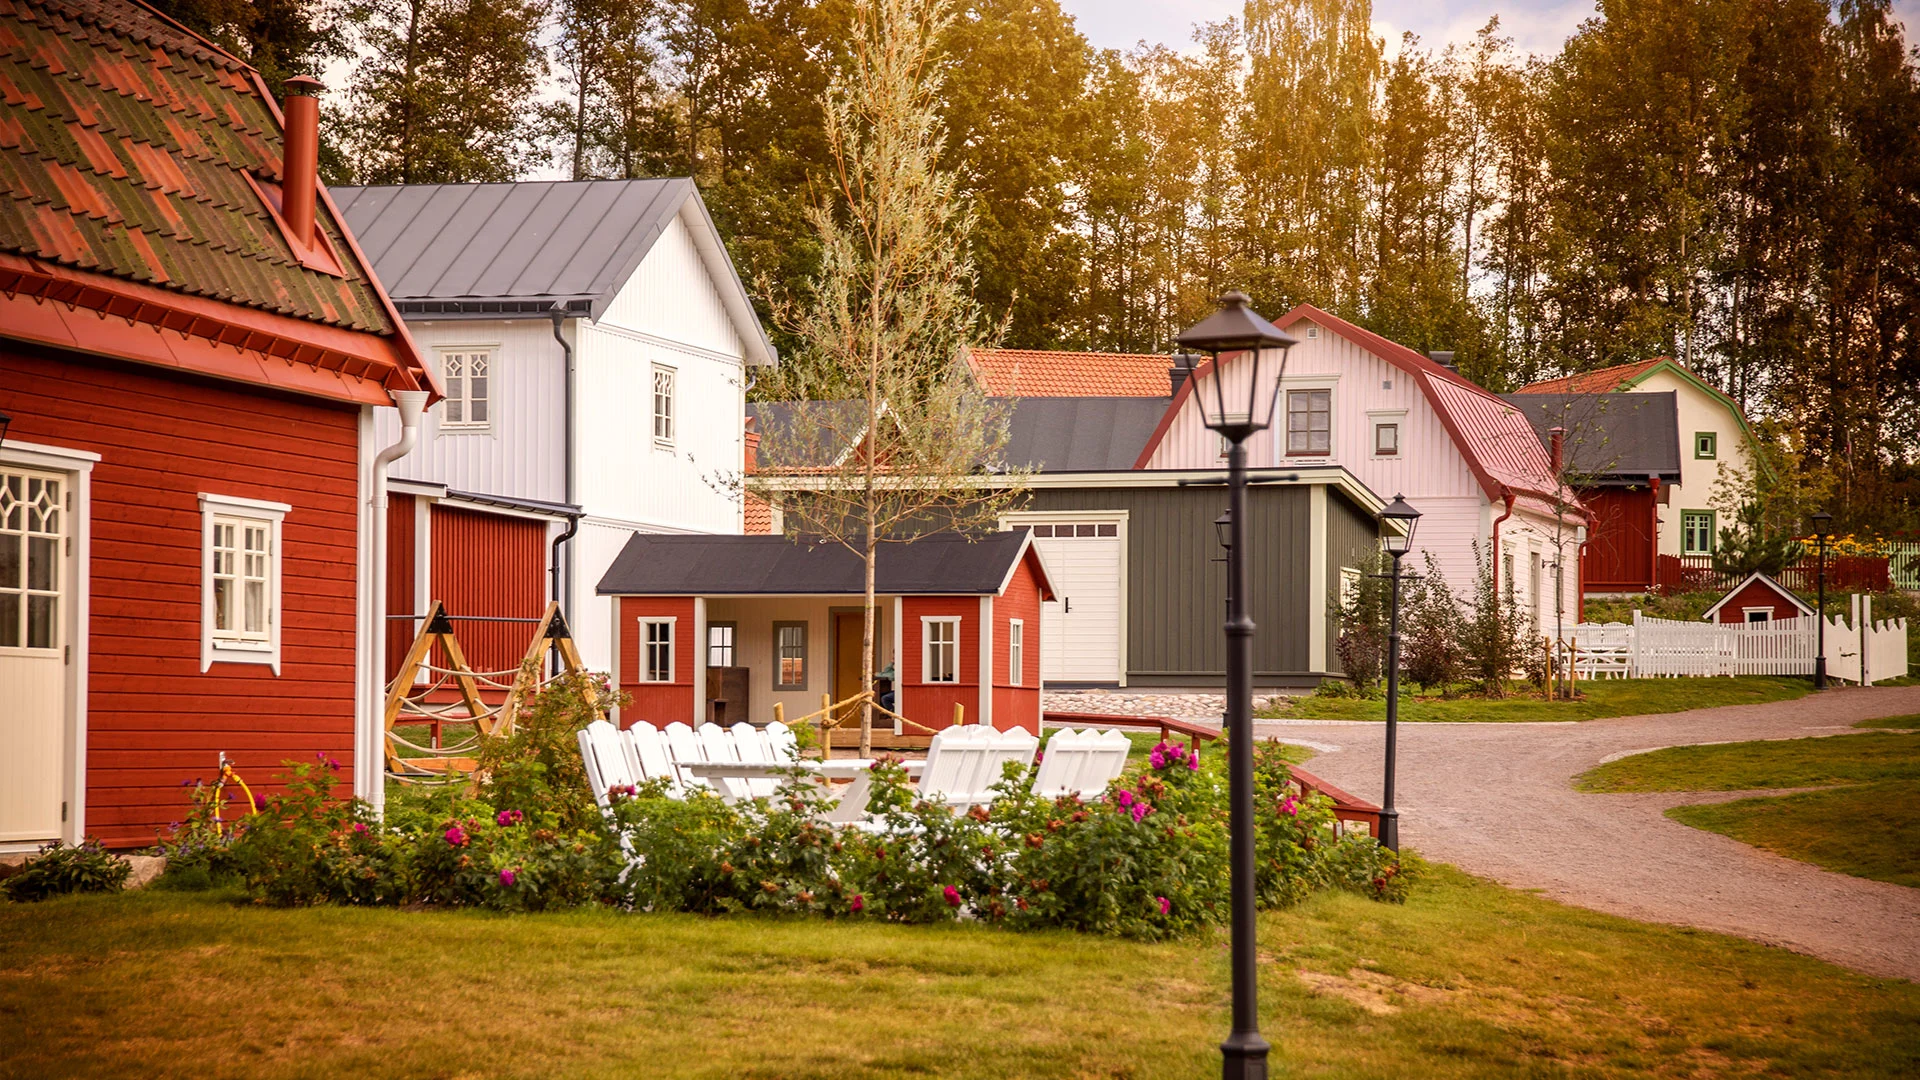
(1747, 615)
(230, 647)
(927, 623)
(1312, 381)
(61, 536)
(643, 669)
(1016, 651)
(466, 425)
(667, 421)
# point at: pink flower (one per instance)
(259, 802)
(1125, 798)
(1289, 807)
(508, 817)
(456, 836)
(360, 828)
(952, 894)
(1193, 760)
(1165, 906)
(859, 903)
(507, 876)
(1141, 810)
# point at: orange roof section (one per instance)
(1049, 373)
(1593, 382)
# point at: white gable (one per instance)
(675, 296)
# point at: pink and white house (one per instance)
(1402, 423)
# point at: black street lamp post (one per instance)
(1822, 525)
(1402, 520)
(1235, 328)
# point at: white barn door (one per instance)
(1080, 628)
(33, 607)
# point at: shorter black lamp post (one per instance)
(1822, 526)
(1237, 329)
(1401, 520)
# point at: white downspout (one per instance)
(411, 403)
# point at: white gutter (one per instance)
(370, 762)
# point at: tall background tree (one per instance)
(890, 428)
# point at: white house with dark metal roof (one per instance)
(597, 345)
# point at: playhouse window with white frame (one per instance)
(940, 641)
(240, 580)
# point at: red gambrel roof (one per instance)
(1045, 373)
(1605, 380)
(134, 158)
(1496, 440)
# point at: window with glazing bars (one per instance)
(663, 404)
(659, 650)
(242, 578)
(467, 404)
(790, 654)
(942, 660)
(30, 553)
(1309, 421)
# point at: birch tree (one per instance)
(884, 437)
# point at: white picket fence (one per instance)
(1668, 648)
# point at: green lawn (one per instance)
(1892, 722)
(1467, 980)
(1598, 698)
(1867, 830)
(1867, 824)
(1784, 763)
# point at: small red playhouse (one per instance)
(723, 627)
(1758, 599)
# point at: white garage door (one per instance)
(1080, 629)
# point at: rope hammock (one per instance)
(407, 701)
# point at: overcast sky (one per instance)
(1535, 25)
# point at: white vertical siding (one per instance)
(672, 295)
(520, 454)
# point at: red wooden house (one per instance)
(1758, 599)
(723, 627)
(191, 353)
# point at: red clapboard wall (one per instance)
(400, 601)
(153, 719)
(1018, 706)
(658, 703)
(489, 564)
(931, 704)
(1620, 545)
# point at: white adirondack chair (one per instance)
(603, 750)
(753, 748)
(648, 747)
(720, 747)
(780, 741)
(1081, 763)
(685, 748)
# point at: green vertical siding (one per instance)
(1351, 533)
(1176, 588)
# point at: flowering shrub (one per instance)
(1147, 860)
(60, 870)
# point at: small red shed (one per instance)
(723, 627)
(1757, 599)
(191, 353)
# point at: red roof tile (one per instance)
(125, 150)
(1045, 373)
(1601, 381)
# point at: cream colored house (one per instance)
(1714, 439)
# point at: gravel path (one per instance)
(1497, 800)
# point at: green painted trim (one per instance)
(1740, 418)
(1713, 527)
(1712, 444)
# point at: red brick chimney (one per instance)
(753, 445)
(1557, 447)
(300, 165)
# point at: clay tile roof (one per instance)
(126, 145)
(1593, 382)
(1041, 373)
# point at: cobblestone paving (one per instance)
(1498, 800)
(1179, 705)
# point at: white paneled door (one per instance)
(33, 607)
(1080, 628)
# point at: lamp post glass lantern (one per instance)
(1822, 527)
(1236, 412)
(1399, 521)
